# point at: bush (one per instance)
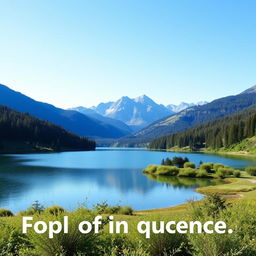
(224, 172)
(219, 174)
(126, 210)
(35, 208)
(230, 171)
(150, 168)
(104, 208)
(27, 212)
(5, 213)
(189, 165)
(202, 174)
(72, 243)
(54, 210)
(217, 166)
(207, 167)
(167, 170)
(187, 172)
(237, 173)
(251, 170)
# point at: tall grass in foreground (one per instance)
(239, 216)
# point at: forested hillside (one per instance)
(216, 134)
(70, 120)
(191, 117)
(20, 133)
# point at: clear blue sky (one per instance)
(71, 53)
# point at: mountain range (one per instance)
(136, 113)
(70, 120)
(190, 117)
(127, 121)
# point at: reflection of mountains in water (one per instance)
(17, 178)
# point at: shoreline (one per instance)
(232, 195)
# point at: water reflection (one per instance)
(115, 176)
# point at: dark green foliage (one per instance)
(207, 167)
(216, 134)
(251, 170)
(37, 207)
(33, 134)
(5, 213)
(14, 243)
(214, 204)
(179, 161)
(168, 161)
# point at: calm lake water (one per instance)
(114, 175)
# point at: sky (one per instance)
(83, 52)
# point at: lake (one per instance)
(114, 175)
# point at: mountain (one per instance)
(191, 117)
(250, 90)
(220, 133)
(22, 133)
(93, 114)
(70, 120)
(183, 105)
(136, 113)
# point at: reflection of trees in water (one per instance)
(10, 189)
(180, 182)
(16, 178)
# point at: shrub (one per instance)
(251, 170)
(35, 208)
(167, 170)
(54, 210)
(220, 174)
(187, 172)
(27, 212)
(214, 208)
(237, 173)
(5, 213)
(230, 171)
(12, 241)
(189, 165)
(150, 168)
(224, 172)
(202, 174)
(112, 209)
(217, 166)
(126, 210)
(72, 243)
(207, 167)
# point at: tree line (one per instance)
(219, 133)
(16, 127)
